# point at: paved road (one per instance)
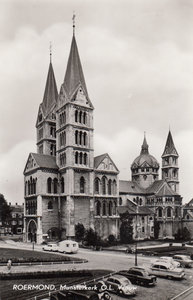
(165, 289)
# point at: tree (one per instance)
(183, 234)
(92, 238)
(126, 229)
(79, 232)
(5, 210)
(156, 229)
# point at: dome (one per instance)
(145, 159)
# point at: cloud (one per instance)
(12, 164)
(137, 60)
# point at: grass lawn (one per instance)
(20, 255)
(167, 251)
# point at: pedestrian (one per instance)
(9, 264)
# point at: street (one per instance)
(114, 261)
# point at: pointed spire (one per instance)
(144, 147)
(74, 74)
(51, 92)
(170, 147)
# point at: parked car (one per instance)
(170, 260)
(167, 270)
(68, 246)
(184, 260)
(120, 285)
(50, 247)
(101, 290)
(139, 275)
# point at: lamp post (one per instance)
(137, 230)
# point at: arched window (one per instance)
(110, 208)
(98, 208)
(53, 149)
(160, 212)
(84, 138)
(85, 159)
(80, 158)
(76, 137)
(80, 137)
(114, 187)
(84, 118)
(62, 185)
(76, 116)
(96, 185)
(28, 183)
(76, 157)
(50, 205)
(64, 117)
(49, 185)
(82, 185)
(104, 209)
(55, 185)
(140, 201)
(169, 212)
(26, 188)
(34, 186)
(110, 187)
(103, 185)
(80, 117)
(114, 208)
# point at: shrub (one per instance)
(111, 239)
(79, 232)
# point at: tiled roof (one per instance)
(98, 159)
(160, 188)
(74, 73)
(51, 92)
(142, 210)
(45, 161)
(170, 147)
(154, 188)
(130, 187)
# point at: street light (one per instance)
(137, 230)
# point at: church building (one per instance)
(64, 183)
(148, 194)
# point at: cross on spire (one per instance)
(50, 52)
(73, 22)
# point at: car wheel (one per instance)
(170, 277)
(120, 292)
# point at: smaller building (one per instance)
(15, 222)
(142, 220)
(187, 220)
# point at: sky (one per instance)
(137, 58)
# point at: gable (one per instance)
(106, 164)
(80, 97)
(31, 164)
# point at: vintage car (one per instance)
(167, 270)
(170, 260)
(120, 285)
(139, 275)
(184, 260)
(50, 247)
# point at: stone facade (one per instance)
(60, 180)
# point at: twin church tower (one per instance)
(64, 183)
